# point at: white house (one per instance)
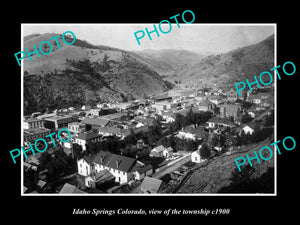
(248, 129)
(195, 156)
(168, 152)
(121, 167)
(161, 151)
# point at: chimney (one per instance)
(118, 163)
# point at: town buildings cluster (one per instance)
(136, 163)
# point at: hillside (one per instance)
(217, 175)
(82, 73)
(226, 69)
(166, 61)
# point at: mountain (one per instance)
(166, 61)
(83, 73)
(228, 68)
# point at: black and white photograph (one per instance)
(172, 113)
(145, 112)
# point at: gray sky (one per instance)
(212, 38)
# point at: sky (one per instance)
(201, 38)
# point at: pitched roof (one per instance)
(151, 184)
(70, 189)
(198, 131)
(220, 120)
(88, 136)
(113, 130)
(159, 148)
(114, 161)
(143, 169)
(95, 121)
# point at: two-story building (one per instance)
(83, 139)
(121, 167)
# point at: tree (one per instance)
(246, 118)
(44, 159)
(205, 152)
(131, 138)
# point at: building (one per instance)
(84, 139)
(94, 179)
(121, 167)
(163, 106)
(205, 106)
(30, 135)
(161, 151)
(103, 121)
(33, 123)
(58, 121)
(70, 189)
(76, 127)
(215, 100)
(151, 185)
(218, 121)
(195, 156)
(248, 130)
(143, 171)
(169, 117)
(94, 123)
(193, 132)
(259, 98)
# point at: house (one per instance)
(218, 121)
(76, 127)
(248, 130)
(192, 131)
(95, 179)
(70, 189)
(258, 98)
(94, 123)
(215, 99)
(168, 152)
(151, 185)
(205, 106)
(169, 116)
(84, 139)
(95, 112)
(143, 171)
(163, 106)
(195, 156)
(161, 151)
(252, 114)
(121, 167)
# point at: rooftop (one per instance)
(88, 136)
(151, 184)
(114, 161)
(70, 189)
(220, 120)
(36, 130)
